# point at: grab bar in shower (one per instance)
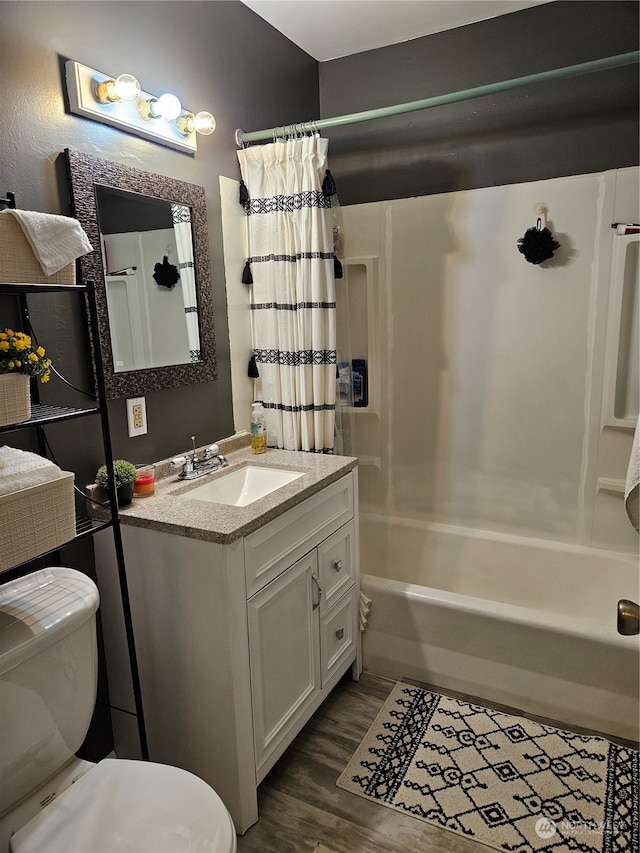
(628, 617)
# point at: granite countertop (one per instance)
(170, 510)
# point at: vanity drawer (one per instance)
(338, 632)
(273, 548)
(337, 564)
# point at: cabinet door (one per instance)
(285, 659)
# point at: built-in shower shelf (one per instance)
(358, 410)
(611, 485)
(357, 300)
(374, 461)
(622, 357)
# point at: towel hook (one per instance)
(540, 211)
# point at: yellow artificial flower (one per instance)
(21, 356)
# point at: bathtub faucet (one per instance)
(628, 617)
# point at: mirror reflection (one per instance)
(147, 255)
(151, 271)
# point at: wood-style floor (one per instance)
(300, 806)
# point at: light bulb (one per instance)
(123, 88)
(167, 107)
(127, 87)
(204, 123)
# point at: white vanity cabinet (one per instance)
(239, 643)
(302, 631)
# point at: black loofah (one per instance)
(337, 268)
(247, 278)
(166, 274)
(244, 192)
(537, 245)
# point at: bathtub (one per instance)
(524, 622)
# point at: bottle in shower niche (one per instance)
(258, 429)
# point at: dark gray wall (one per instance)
(568, 127)
(218, 56)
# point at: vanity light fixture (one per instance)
(120, 102)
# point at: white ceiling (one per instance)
(328, 29)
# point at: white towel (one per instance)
(56, 240)
(632, 485)
(20, 469)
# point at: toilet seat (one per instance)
(136, 806)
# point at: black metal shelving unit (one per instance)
(43, 415)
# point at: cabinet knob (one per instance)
(340, 633)
(337, 565)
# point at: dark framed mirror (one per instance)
(152, 274)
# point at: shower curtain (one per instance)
(292, 290)
(184, 246)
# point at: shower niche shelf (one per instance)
(622, 355)
(357, 300)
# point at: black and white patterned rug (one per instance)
(505, 781)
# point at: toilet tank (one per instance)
(48, 676)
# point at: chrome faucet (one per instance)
(193, 467)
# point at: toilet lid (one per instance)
(135, 806)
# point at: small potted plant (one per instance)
(19, 362)
(125, 475)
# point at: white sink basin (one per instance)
(242, 487)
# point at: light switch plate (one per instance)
(136, 416)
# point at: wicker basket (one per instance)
(18, 264)
(15, 398)
(36, 520)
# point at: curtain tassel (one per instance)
(329, 185)
(244, 192)
(247, 278)
(337, 267)
(252, 372)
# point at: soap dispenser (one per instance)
(258, 429)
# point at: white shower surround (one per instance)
(494, 539)
(524, 622)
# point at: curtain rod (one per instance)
(439, 100)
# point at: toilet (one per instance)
(50, 800)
